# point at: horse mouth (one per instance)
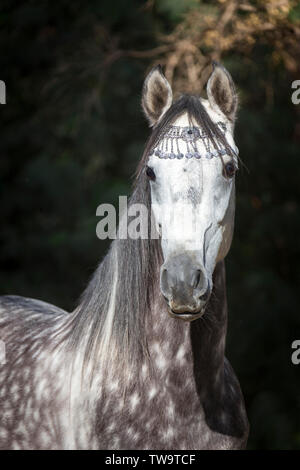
(186, 316)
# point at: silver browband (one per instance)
(169, 146)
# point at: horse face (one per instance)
(192, 197)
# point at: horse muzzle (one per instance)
(185, 287)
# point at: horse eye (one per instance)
(229, 170)
(150, 173)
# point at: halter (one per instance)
(169, 146)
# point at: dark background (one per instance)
(72, 133)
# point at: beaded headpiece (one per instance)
(170, 147)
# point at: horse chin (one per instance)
(186, 316)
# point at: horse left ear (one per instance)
(156, 96)
(221, 92)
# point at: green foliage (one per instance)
(294, 14)
(174, 9)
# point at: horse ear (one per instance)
(156, 96)
(221, 92)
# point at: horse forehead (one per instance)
(186, 120)
(184, 180)
(185, 173)
(179, 175)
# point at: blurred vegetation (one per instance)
(72, 133)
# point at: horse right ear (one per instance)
(221, 92)
(156, 96)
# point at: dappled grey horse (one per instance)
(140, 364)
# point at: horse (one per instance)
(140, 363)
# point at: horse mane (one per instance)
(109, 322)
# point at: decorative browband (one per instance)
(170, 147)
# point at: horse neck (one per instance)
(199, 345)
(208, 340)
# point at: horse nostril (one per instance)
(164, 275)
(197, 278)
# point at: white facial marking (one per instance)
(193, 201)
